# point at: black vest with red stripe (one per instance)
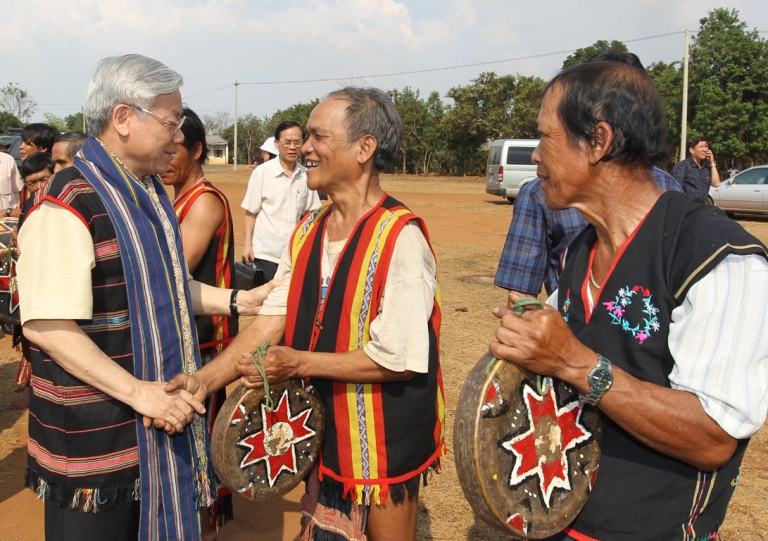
(642, 494)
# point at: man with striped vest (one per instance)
(112, 320)
(360, 315)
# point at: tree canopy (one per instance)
(600, 46)
(17, 101)
(729, 89)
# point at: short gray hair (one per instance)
(372, 112)
(74, 140)
(132, 79)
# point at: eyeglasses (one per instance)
(292, 142)
(34, 182)
(172, 125)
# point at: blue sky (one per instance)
(50, 47)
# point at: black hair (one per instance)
(194, 132)
(693, 141)
(285, 126)
(630, 59)
(35, 163)
(624, 97)
(41, 135)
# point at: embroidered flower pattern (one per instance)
(617, 310)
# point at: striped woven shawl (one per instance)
(175, 473)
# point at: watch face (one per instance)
(600, 379)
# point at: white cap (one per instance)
(269, 146)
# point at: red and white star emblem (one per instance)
(276, 443)
(541, 450)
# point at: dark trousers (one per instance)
(121, 523)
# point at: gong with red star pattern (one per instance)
(262, 453)
(526, 452)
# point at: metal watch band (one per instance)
(595, 393)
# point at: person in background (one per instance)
(268, 149)
(11, 183)
(37, 137)
(698, 171)
(65, 148)
(208, 241)
(36, 171)
(276, 198)
(538, 236)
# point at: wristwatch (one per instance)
(8, 211)
(600, 380)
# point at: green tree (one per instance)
(433, 134)
(296, 113)
(585, 53)
(251, 133)
(8, 121)
(491, 107)
(75, 122)
(668, 79)
(729, 89)
(56, 121)
(17, 101)
(413, 113)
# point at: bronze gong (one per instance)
(526, 453)
(260, 453)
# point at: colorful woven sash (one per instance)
(175, 473)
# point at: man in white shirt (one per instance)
(276, 198)
(10, 183)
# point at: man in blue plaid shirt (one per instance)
(538, 236)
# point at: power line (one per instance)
(413, 72)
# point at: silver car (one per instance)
(745, 192)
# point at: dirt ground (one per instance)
(468, 229)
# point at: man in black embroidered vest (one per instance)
(658, 318)
(360, 315)
(114, 322)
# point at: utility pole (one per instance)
(235, 149)
(684, 112)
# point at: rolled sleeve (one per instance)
(719, 342)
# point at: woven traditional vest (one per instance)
(216, 268)
(82, 443)
(376, 435)
(641, 494)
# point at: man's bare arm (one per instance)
(75, 352)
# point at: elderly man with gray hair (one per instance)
(369, 346)
(115, 322)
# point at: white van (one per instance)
(510, 166)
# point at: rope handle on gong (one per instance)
(257, 357)
(542, 382)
